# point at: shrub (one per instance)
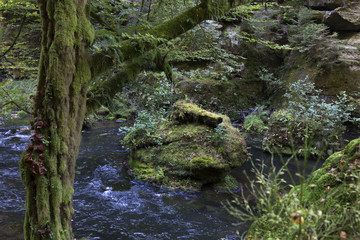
(308, 119)
(142, 132)
(315, 42)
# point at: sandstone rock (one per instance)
(344, 18)
(325, 4)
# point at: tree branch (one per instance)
(12, 102)
(167, 30)
(170, 29)
(17, 36)
(105, 91)
(99, 19)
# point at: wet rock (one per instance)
(193, 151)
(325, 4)
(344, 18)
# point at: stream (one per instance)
(111, 204)
(108, 202)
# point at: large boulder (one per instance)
(325, 4)
(197, 147)
(344, 18)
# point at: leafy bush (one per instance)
(254, 123)
(150, 91)
(314, 41)
(274, 85)
(15, 96)
(308, 119)
(142, 132)
(256, 120)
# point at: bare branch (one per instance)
(17, 36)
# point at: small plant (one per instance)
(256, 120)
(142, 132)
(314, 41)
(273, 84)
(220, 134)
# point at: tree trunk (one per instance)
(48, 164)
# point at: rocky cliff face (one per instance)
(325, 4)
(342, 17)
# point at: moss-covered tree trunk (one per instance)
(48, 164)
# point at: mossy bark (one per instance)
(48, 164)
(207, 9)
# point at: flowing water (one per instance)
(111, 204)
(108, 202)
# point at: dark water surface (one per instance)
(108, 203)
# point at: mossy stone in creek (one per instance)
(193, 152)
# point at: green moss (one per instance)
(229, 183)
(352, 147)
(42, 201)
(84, 28)
(203, 161)
(82, 75)
(66, 20)
(189, 112)
(188, 152)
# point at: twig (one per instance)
(13, 102)
(17, 36)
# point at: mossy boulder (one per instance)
(336, 173)
(343, 75)
(194, 150)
